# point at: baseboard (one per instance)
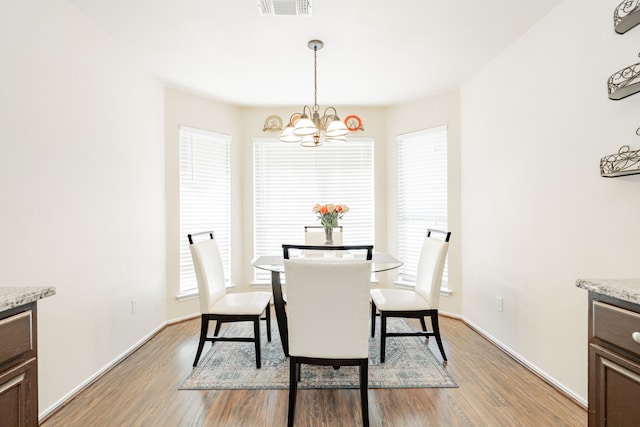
(42, 417)
(522, 361)
(181, 319)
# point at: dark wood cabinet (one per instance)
(18, 367)
(614, 362)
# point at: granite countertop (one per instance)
(11, 297)
(624, 289)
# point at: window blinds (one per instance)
(290, 179)
(204, 196)
(422, 194)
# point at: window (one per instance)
(290, 179)
(422, 194)
(204, 196)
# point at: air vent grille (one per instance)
(284, 7)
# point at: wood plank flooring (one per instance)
(494, 391)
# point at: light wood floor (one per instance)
(494, 391)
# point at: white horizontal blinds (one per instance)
(290, 179)
(422, 193)
(204, 196)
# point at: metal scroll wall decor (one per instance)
(626, 16)
(624, 82)
(624, 162)
(621, 84)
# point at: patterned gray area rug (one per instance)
(231, 365)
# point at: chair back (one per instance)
(314, 235)
(209, 269)
(431, 266)
(328, 307)
(336, 251)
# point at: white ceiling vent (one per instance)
(284, 7)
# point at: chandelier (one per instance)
(309, 128)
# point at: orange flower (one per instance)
(330, 213)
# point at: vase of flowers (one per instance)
(329, 215)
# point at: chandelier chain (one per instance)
(315, 79)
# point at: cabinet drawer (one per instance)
(16, 335)
(616, 325)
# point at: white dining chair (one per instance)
(418, 303)
(314, 235)
(328, 318)
(216, 304)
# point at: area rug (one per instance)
(231, 365)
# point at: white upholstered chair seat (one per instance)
(241, 303)
(399, 300)
(314, 235)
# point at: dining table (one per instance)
(274, 263)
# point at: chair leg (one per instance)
(383, 335)
(424, 325)
(204, 327)
(373, 319)
(216, 331)
(424, 329)
(364, 391)
(256, 336)
(268, 318)
(436, 331)
(293, 389)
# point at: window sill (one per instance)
(444, 290)
(189, 295)
(263, 284)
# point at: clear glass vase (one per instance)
(328, 235)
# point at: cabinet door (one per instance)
(614, 389)
(18, 396)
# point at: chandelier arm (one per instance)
(335, 112)
(305, 109)
(327, 119)
(291, 119)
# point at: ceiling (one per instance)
(375, 52)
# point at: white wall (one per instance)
(536, 213)
(82, 188)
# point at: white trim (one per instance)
(261, 285)
(403, 284)
(193, 294)
(187, 295)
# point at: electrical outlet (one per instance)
(498, 303)
(135, 305)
